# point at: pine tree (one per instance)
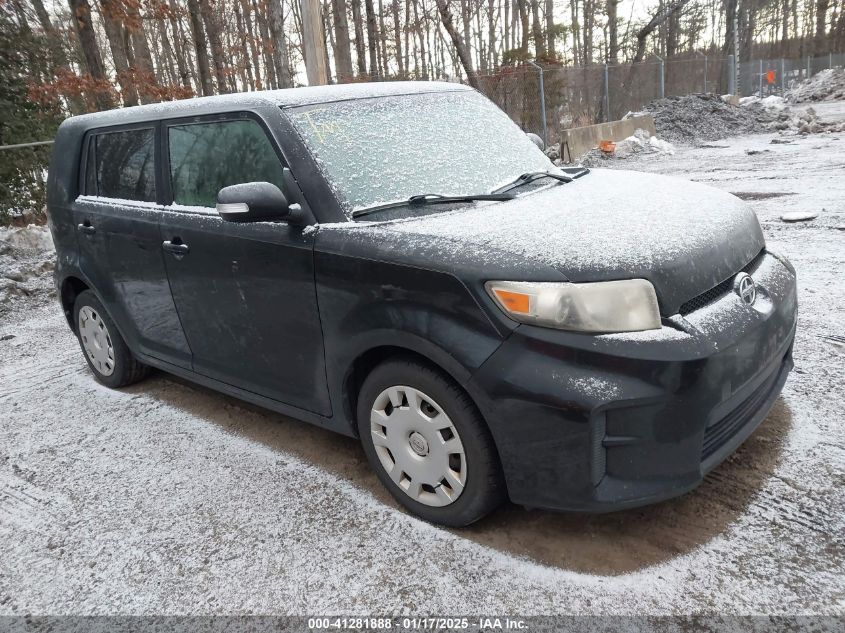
(23, 56)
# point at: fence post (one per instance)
(731, 75)
(830, 60)
(705, 69)
(606, 95)
(808, 67)
(782, 75)
(761, 79)
(662, 78)
(542, 102)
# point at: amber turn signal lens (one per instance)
(514, 301)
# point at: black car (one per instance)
(400, 263)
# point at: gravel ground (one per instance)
(166, 498)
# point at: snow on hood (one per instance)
(611, 224)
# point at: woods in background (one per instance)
(97, 54)
(63, 57)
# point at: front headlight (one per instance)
(608, 306)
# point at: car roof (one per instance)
(284, 98)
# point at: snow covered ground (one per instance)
(166, 498)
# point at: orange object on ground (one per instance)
(608, 147)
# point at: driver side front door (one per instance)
(244, 292)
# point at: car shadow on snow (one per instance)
(603, 544)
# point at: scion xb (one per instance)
(399, 263)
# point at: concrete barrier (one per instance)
(577, 141)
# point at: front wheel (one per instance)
(428, 444)
(106, 352)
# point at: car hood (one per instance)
(682, 236)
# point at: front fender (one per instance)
(366, 304)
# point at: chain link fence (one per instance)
(576, 96)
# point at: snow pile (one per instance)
(696, 118)
(802, 122)
(638, 144)
(772, 103)
(27, 259)
(827, 85)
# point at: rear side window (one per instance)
(205, 157)
(122, 165)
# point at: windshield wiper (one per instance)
(431, 198)
(531, 176)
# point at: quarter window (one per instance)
(123, 165)
(205, 157)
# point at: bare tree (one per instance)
(200, 47)
(457, 42)
(342, 50)
(113, 26)
(218, 57)
(81, 12)
(372, 40)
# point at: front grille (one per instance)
(716, 435)
(717, 292)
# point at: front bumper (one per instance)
(602, 423)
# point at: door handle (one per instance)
(177, 248)
(86, 228)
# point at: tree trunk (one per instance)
(576, 34)
(397, 35)
(81, 12)
(280, 43)
(457, 42)
(253, 47)
(342, 50)
(242, 32)
(266, 45)
(218, 58)
(550, 30)
(537, 31)
(612, 32)
(200, 47)
(820, 44)
(113, 27)
(491, 34)
(384, 69)
(372, 41)
(523, 18)
(659, 18)
(181, 64)
(360, 46)
(143, 66)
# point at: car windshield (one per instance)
(379, 150)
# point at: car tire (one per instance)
(436, 428)
(104, 349)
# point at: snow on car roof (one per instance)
(285, 98)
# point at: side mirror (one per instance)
(536, 140)
(255, 201)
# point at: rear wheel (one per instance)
(105, 350)
(428, 444)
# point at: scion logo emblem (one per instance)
(746, 289)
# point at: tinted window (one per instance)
(125, 165)
(205, 157)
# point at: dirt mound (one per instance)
(27, 260)
(827, 85)
(696, 118)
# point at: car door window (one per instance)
(205, 157)
(123, 165)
